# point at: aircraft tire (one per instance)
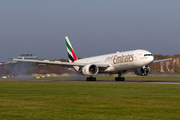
(119, 79)
(91, 79)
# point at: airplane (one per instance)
(115, 63)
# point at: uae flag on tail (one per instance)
(71, 54)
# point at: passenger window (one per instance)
(148, 54)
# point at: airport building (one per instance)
(27, 56)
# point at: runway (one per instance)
(108, 81)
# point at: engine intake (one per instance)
(142, 71)
(90, 70)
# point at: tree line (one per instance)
(172, 66)
(25, 68)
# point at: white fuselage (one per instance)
(120, 61)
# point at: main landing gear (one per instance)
(91, 78)
(119, 78)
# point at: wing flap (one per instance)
(156, 61)
(44, 62)
(49, 62)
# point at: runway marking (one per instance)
(165, 82)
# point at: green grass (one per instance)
(88, 100)
(144, 78)
(138, 78)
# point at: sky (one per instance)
(94, 27)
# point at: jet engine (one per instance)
(142, 71)
(90, 70)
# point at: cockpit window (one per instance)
(148, 54)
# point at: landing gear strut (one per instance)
(119, 78)
(91, 78)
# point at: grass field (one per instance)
(138, 78)
(88, 100)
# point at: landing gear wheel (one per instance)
(119, 79)
(91, 79)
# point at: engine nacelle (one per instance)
(142, 71)
(90, 70)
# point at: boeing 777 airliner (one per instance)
(118, 63)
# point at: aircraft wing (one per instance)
(156, 61)
(48, 62)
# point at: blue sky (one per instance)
(93, 27)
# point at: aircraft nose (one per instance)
(152, 58)
(149, 60)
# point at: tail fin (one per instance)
(71, 54)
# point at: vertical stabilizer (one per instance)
(71, 54)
